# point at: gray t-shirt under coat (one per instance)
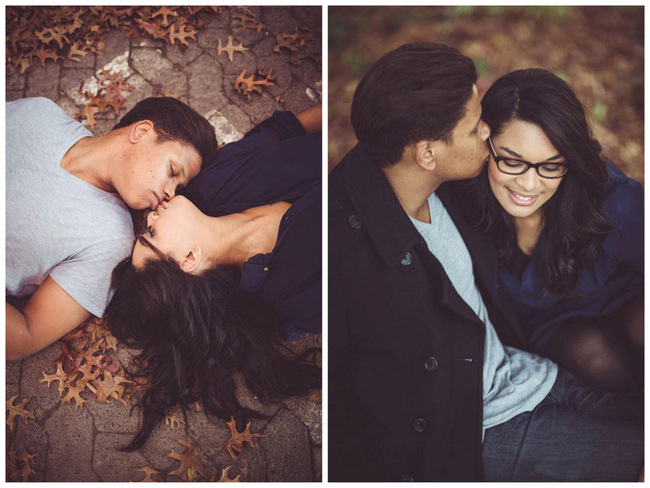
(514, 381)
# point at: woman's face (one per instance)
(523, 195)
(172, 230)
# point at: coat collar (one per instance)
(383, 217)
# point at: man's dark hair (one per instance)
(416, 92)
(174, 121)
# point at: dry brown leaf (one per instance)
(235, 445)
(18, 411)
(20, 466)
(188, 466)
(230, 49)
(148, 472)
(165, 12)
(181, 34)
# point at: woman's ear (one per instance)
(424, 154)
(191, 261)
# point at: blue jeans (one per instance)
(576, 433)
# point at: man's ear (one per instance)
(424, 154)
(139, 130)
(191, 261)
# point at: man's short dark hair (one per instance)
(416, 92)
(174, 121)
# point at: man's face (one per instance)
(468, 152)
(153, 171)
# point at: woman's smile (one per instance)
(521, 198)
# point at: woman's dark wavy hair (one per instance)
(194, 332)
(573, 223)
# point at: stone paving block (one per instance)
(69, 457)
(113, 465)
(226, 132)
(15, 82)
(43, 82)
(206, 85)
(86, 61)
(142, 89)
(13, 369)
(116, 44)
(182, 55)
(310, 16)
(113, 417)
(44, 399)
(238, 118)
(286, 444)
(147, 42)
(158, 70)
(12, 95)
(31, 438)
(208, 39)
(283, 20)
(70, 81)
(317, 462)
(309, 412)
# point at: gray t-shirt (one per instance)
(56, 223)
(514, 381)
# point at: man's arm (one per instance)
(312, 119)
(48, 315)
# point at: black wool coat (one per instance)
(405, 350)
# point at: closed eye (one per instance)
(172, 170)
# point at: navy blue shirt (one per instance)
(276, 161)
(617, 277)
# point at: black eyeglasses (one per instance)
(511, 166)
(148, 243)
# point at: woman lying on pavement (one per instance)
(224, 272)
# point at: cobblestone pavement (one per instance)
(74, 444)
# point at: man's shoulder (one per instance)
(36, 106)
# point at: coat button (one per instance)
(406, 477)
(407, 259)
(431, 364)
(355, 221)
(420, 425)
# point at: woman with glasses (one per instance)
(223, 273)
(568, 228)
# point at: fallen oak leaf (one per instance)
(148, 472)
(187, 462)
(235, 445)
(165, 12)
(181, 34)
(20, 466)
(18, 411)
(59, 376)
(225, 478)
(74, 393)
(230, 48)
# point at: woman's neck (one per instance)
(528, 232)
(235, 238)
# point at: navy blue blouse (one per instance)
(618, 275)
(275, 161)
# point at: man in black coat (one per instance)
(420, 386)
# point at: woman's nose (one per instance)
(529, 180)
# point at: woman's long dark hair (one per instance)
(194, 332)
(573, 223)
